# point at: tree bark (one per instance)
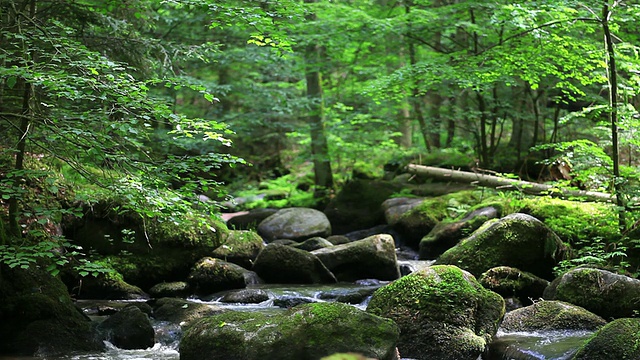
(613, 114)
(504, 183)
(319, 144)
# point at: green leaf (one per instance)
(11, 81)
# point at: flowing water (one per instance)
(553, 345)
(558, 345)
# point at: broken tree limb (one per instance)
(502, 183)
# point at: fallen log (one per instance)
(502, 183)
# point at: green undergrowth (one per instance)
(286, 191)
(59, 198)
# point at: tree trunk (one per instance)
(25, 124)
(504, 183)
(416, 98)
(613, 115)
(319, 144)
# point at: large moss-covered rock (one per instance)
(107, 230)
(619, 339)
(308, 331)
(442, 311)
(170, 289)
(295, 224)
(602, 292)
(517, 240)
(129, 328)
(210, 275)
(514, 283)
(38, 316)
(240, 247)
(447, 234)
(370, 258)
(284, 264)
(549, 316)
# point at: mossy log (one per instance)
(502, 183)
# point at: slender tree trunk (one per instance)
(406, 128)
(613, 115)
(25, 124)
(482, 136)
(416, 98)
(319, 144)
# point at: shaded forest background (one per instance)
(157, 102)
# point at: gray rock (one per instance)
(245, 296)
(373, 257)
(602, 292)
(286, 265)
(181, 311)
(395, 208)
(170, 289)
(295, 224)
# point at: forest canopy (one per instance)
(159, 101)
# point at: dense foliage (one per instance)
(141, 100)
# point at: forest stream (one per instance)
(552, 345)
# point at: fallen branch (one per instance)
(502, 183)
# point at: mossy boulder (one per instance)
(109, 231)
(245, 296)
(513, 283)
(284, 264)
(573, 221)
(447, 234)
(108, 286)
(309, 331)
(358, 205)
(156, 265)
(619, 339)
(39, 317)
(517, 240)
(395, 208)
(129, 328)
(181, 311)
(442, 311)
(550, 316)
(296, 224)
(600, 291)
(422, 219)
(314, 243)
(170, 289)
(370, 258)
(210, 275)
(240, 247)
